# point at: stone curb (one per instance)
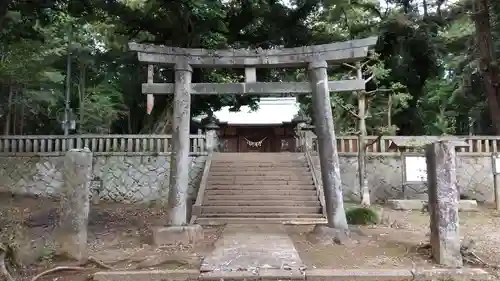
(314, 274)
(413, 204)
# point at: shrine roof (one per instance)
(271, 111)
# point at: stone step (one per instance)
(259, 209)
(258, 169)
(260, 187)
(233, 173)
(265, 192)
(261, 177)
(312, 203)
(258, 197)
(290, 215)
(258, 155)
(261, 160)
(235, 165)
(212, 182)
(207, 221)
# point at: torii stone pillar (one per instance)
(179, 174)
(327, 145)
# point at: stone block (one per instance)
(258, 275)
(407, 204)
(150, 275)
(443, 203)
(171, 235)
(359, 274)
(71, 232)
(229, 275)
(452, 274)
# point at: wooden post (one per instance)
(495, 160)
(179, 175)
(443, 203)
(327, 145)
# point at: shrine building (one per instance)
(270, 128)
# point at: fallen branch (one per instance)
(468, 256)
(73, 268)
(59, 268)
(3, 268)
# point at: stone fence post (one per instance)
(71, 232)
(443, 203)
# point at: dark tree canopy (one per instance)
(429, 79)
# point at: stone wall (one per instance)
(475, 178)
(115, 178)
(140, 178)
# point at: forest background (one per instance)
(435, 67)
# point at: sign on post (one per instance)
(495, 161)
(415, 169)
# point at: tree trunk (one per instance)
(389, 112)
(487, 62)
(163, 125)
(8, 116)
(364, 190)
(14, 113)
(4, 8)
(21, 112)
(81, 97)
(363, 181)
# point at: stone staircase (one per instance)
(260, 188)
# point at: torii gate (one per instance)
(316, 58)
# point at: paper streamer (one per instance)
(150, 103)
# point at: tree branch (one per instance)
(374, 141)
(369, 78)
(349, 110)
(350, 66)
(372, 92)
(365, 63)
(3, 268)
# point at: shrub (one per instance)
(361, 216)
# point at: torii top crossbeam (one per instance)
(233, 58)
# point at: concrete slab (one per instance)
(409, 204)
(252, 248)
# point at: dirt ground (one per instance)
(118, 237)
(395, 243)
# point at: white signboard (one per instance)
(496, 164)
(415, 169)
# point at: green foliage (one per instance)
(426, 76)
(361, 216)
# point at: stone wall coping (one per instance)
(204, 153)
(110, 153)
